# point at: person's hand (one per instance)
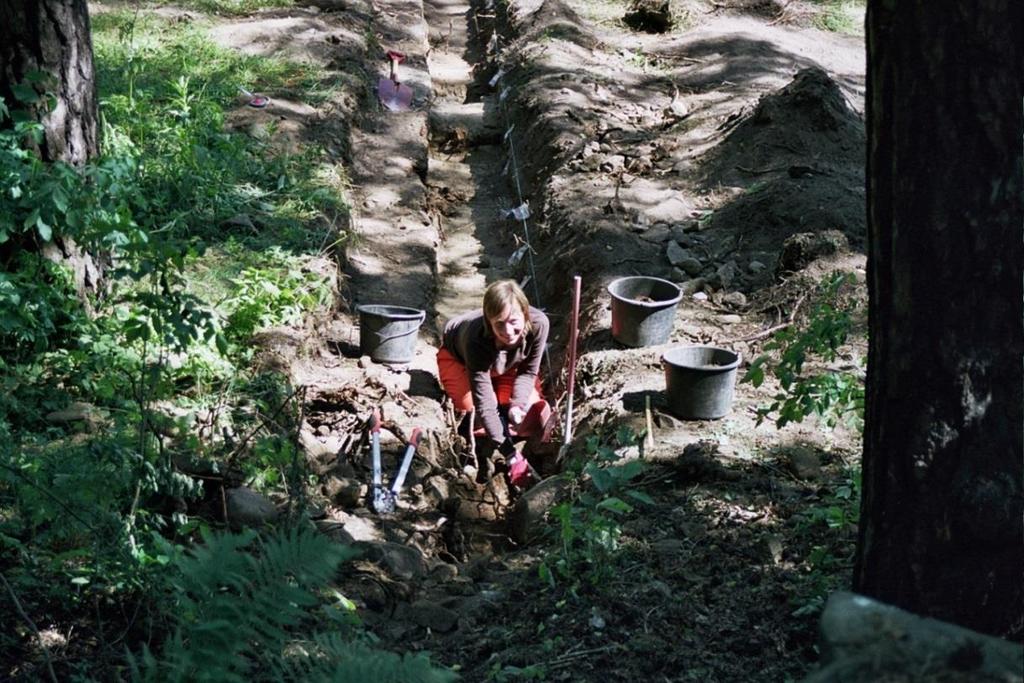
(516, 414)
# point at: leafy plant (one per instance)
(589, 524)
(242, 606)
(832, 395)
(839, 513)
(280, 293)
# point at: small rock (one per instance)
(247, 508)
(597, 622)
(401, 561)
(730, 319)
(804, 463)
(726, 273)
(737, 299)
(444, 572)
(657, 234)
(364, 362)
(700, 296)
(675, 253)
(323, 430)
(77, 412)
(240, 220)
(679, 276)
(756, 267)
(345, 492)
(691, 265)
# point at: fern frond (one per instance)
(239, 607)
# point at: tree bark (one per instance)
(53, 37)
(942, 522)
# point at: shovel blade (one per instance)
(394, 96)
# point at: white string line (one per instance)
(519, 193)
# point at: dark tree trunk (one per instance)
(53, 37)
(942, 524)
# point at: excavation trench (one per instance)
(432, 191)
(466, 157)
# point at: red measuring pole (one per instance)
(574, 330)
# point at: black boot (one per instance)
(483, 467)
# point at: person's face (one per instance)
(508, 327)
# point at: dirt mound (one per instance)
(808, 122)
(795, 164)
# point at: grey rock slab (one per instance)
(862, 639)
(730, 319)
(401, 561)
(249, 508)
(526, 521)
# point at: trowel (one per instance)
(392, 94)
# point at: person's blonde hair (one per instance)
(502, 294)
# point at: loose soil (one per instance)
(693, 156)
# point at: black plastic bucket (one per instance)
(699, 381)
(387, 334)
(643, 310)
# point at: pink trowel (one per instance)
(392, 94)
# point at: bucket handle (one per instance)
(422, 316)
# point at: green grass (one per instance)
(841, 16)
(166, 92)
(225, 7)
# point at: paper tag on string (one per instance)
(506, 167)
(520, 213)
(504, 94)
(496, 77)
(518, 255)
(508, 132)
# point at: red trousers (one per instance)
(455, 381)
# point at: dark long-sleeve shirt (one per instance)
(468, 338)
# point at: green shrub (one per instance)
(589, 524)
(831, 395)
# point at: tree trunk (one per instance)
(53, 37)
(942, 523)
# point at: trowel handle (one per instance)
(375, 448)
(410, 450)
(394, 59)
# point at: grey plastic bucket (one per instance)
(387, 334)
(699, 381)
(643, 310)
